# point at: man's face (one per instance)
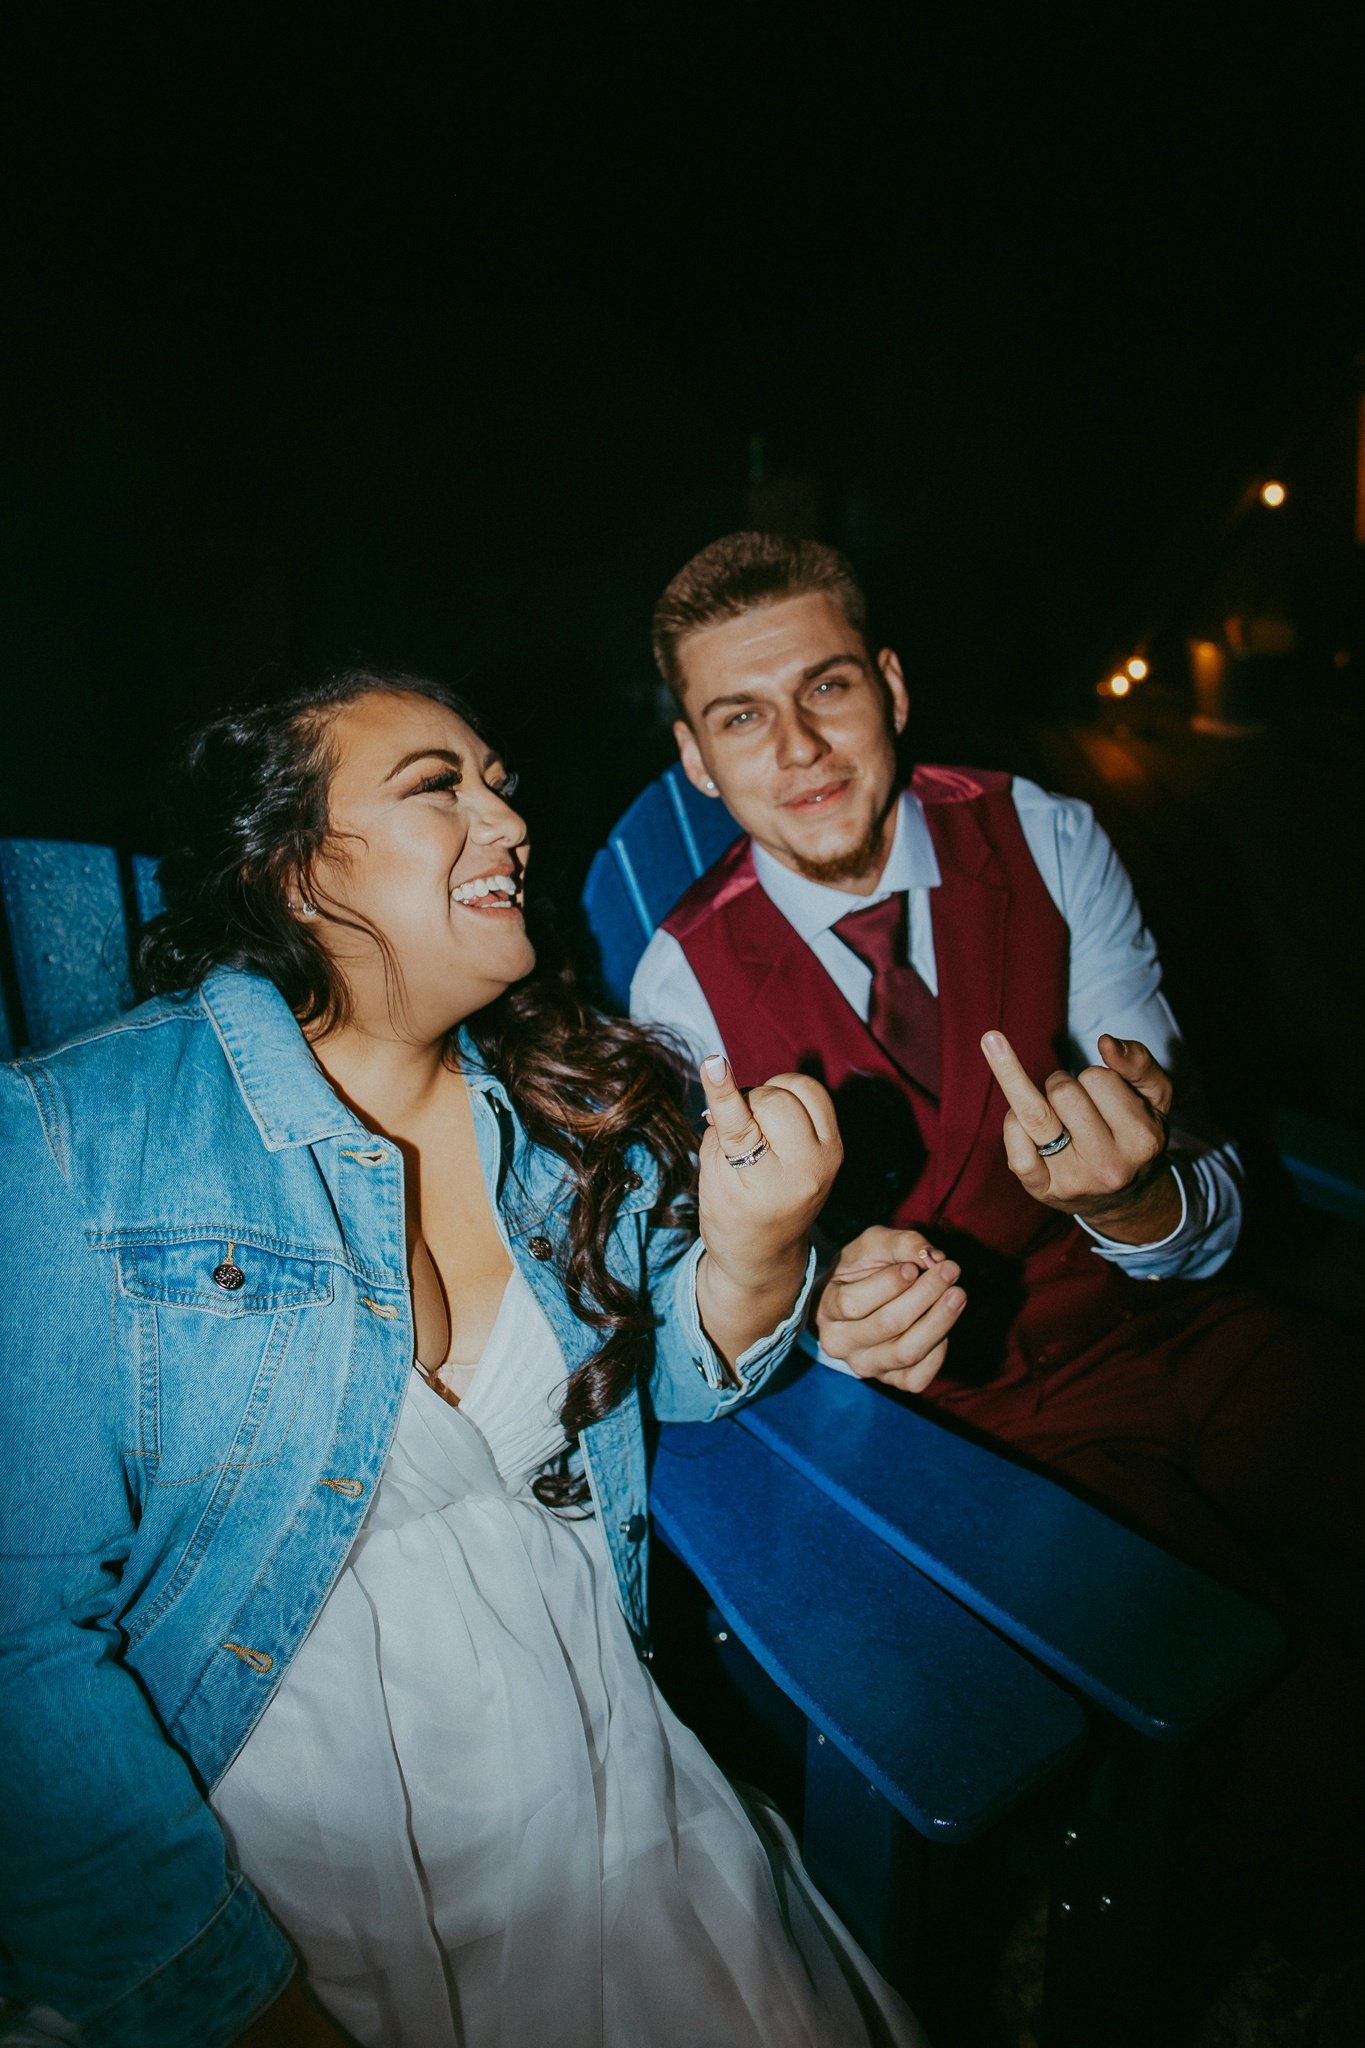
(794, 723)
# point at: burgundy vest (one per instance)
(1001, 949)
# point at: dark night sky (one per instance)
(322, 348)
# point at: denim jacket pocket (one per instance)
(223, 1276)
(227, 1330)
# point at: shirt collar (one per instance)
(813, 907)
(290, 1099)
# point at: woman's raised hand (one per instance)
(768, 1162)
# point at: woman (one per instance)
(332, 1282)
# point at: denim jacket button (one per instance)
(229, 1275)
(634, 1529)
(539, 1247)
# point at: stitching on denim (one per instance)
(220, 1500)
(213, 1231)
(258, 1402)
(317, 1292)
(235, 1882)
(49, 1115)
(347, 1385)
(210, 1521)
(261, 1240)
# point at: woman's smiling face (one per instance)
(423, 848)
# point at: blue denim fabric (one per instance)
(189, 1464)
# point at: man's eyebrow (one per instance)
(851, 660)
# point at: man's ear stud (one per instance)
(710, 787)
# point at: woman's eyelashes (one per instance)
(449, 779)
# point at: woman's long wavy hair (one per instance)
(253, 789)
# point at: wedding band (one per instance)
(748, 1158)
(1053, 1145)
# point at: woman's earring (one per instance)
(308, 909)
(710, 787)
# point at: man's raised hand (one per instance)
(1092, 1145)
(889, 1307)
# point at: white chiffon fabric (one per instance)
(472, 1809)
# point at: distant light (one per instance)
(1137, 668)
(1273, 494)
(1120, 685)
(1342, 658)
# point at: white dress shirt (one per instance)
(1114, 986)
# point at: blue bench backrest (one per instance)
(670, 835)
(67, 908)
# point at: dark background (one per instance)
(350, 339)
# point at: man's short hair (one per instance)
(741, 573)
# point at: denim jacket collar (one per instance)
(290, 1099)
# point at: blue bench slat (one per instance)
(146, 887)
(704, 825)
(616, 925)
(946, 1719)
(1138, 1632)
(1325, 1161)
(69, 935)
(668, 837)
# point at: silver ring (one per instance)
(748, 1158)
(1054, 1145)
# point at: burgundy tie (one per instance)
(903, 1017)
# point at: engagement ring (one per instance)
(748, 1158)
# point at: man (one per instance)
(920, 949)
(939, 952)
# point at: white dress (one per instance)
(472, 1809)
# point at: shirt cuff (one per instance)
(754, 1360)
(1203, 1239)
(1113, 1248)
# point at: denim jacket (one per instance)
(191, 1455)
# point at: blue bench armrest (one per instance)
(946, 1719)
(1136, 1631)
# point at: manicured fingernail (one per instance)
(994, 1041)
(714, 1066)
(955, 1298)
